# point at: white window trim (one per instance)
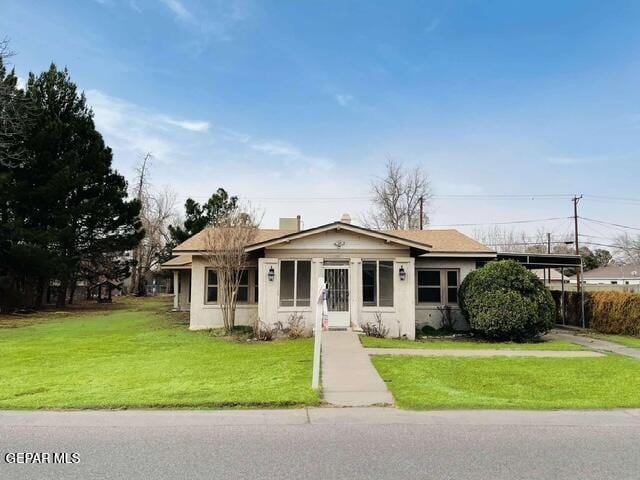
(295, 305)
(377, 306)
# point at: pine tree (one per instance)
(72, 203)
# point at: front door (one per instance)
(337, 280)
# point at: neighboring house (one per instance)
(404, 275)
(612, 275)
(551, 276)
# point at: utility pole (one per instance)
(421, 212)
(575, 201)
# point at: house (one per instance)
(551, 276)
(402, 275)
(612, 275)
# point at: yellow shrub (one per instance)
(615, 312)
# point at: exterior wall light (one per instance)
(271, 274)
(403, 274)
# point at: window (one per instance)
(248, 285)
(377, 283)
(212, 286)
(243, 287)
(295, 283)
(437, 286)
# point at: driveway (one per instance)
(331, 443)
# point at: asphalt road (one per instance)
(326, 444)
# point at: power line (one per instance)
(602, 222)
(500, 223)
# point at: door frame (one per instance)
(340, 319)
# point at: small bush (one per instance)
(295, 327)
(504, 301)
(376, 329)
(266, 333)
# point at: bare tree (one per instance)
(225, 251)
(16, 113)
(399, 198)
(503, 239)
(628, 248)
(156, 214)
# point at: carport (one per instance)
(536, 261)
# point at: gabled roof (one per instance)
(629, 272)
(423, 241)
(386, 236)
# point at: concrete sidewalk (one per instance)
(596, 344)
(424, 352)
(348, 377)
(153, 419)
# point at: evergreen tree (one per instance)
(198, 217)
(72, 204)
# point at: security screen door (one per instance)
(337, 280)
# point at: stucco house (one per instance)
(404, 275)
(612, 275)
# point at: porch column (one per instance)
(355, 292)
(176, 289)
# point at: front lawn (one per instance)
(626, 340)
(466, 343)
(140, 356)
(511, 383)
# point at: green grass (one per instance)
(466, 343)
(136, 355)
(511, 383)
(626, 340)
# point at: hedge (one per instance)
(605, 312)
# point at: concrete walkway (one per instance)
(596, 344)
(349, 379)
(423, 352)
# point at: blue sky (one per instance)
(307, 99)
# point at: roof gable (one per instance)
(386, 237)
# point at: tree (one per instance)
(15, 114)
(69, 201)
(156, 215)
(198, 217)
(628, 248)
(225, 251)
(597, 258)
(396, 198)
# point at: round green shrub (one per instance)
(505, 301)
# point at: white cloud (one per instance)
(292, 153)
(21, 83)
(178, 9)
(193, 126)
(343, 99)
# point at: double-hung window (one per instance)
(295, 283)
(377, 283)
(437, 286)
